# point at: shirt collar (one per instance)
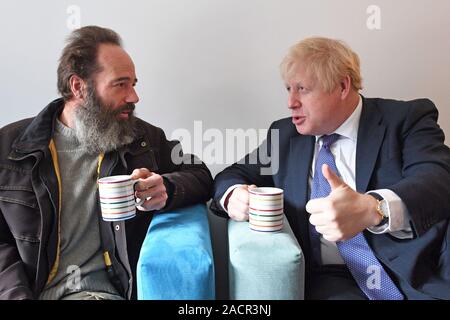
(349, 129)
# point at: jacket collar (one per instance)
(370, 137)
(39, 132)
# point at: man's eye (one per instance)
(288, 89)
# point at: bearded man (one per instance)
(51, 228)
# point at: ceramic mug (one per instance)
(117, 197)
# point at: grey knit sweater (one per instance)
(81, 264)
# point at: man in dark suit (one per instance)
(366, 182)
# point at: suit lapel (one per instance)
(370, 136)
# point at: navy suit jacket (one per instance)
(400, 147)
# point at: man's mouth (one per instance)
(297, 120)
(125, 114)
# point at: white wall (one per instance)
(217, 60)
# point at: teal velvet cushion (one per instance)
(264, 266)
(176, 260)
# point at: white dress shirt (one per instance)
(344, 152)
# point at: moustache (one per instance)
(127, 107)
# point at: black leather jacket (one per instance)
(29, 202)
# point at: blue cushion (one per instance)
(263, 265)
(176, 260)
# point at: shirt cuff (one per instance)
(398, 224)
(222, 200)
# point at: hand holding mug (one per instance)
(237, 203)
(150, 186)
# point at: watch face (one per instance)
(384, 208)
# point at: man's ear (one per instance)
(77, 86)
(345, 86)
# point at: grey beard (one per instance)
(98, 129)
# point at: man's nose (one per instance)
(132, 96)
(293, 100)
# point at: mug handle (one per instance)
(141, 201)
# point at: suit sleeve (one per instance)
(255, 168)
(187, 179)
(13, 279)
(425, 187)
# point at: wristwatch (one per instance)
(382, 208)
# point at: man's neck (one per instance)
(352, 103)
(346, 108)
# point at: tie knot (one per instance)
(329, 140)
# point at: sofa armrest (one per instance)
(264, 266)
(176, 260)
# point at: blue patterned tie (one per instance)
(356, 253)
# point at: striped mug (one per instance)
(117, 197)
(266, 209)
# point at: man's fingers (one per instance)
(316, 205)
(242, 198)
(157, 199)
(238, 216)
(240, 205)
(318, 219)
(238, 211)
(332, 178)
(329, 233)
(151, 192)
(241, 194)
(153, 180)
(155, 203)
(141, 173)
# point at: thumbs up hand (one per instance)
(344, 212)
(332, 178)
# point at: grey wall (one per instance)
(216, 61)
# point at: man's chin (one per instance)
(302, 129)
(307, 130)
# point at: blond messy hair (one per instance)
(328, 61)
